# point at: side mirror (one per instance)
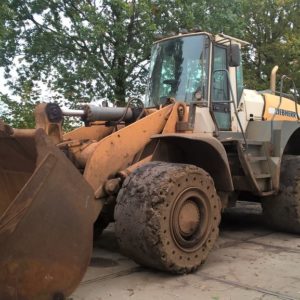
(234, 55)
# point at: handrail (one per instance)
(232, 102)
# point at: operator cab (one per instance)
(197, 67)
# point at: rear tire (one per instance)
(282, 211)
(167, 216)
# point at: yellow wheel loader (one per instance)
(161, 169)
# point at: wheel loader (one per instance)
(163, 169)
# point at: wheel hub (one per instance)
(189, 218)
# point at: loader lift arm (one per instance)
(37, 202)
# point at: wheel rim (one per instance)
(191, 219)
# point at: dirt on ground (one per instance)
(249, 261)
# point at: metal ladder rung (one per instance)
(262, 175)
(255, 143)
(257, 158)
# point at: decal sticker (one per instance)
(282, 112)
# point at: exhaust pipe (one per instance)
(273, 79)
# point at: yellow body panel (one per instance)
(286, 111)
(96, 132)
(116, 151)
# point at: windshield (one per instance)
(178, 69)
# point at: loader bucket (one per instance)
(46, 223)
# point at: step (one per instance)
(268, 193)
(253, 142)
(262, 175)
(257, 158)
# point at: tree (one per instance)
(221, 16)
(214, 16)
(91, 49)
(273, 29)
(84, 50)
(17, 114)
(81, 50)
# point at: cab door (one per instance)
(220, 90)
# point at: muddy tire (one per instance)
(167, 216)
(282, 211)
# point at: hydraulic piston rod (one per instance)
(97, 113)
(92, 113)
(72, 112)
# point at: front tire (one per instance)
(282, 211)
(167, 216)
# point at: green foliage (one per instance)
(84, 50)
(273, 29)
(21, 114)
(17, 114)
(210, 15)
(221, 16)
